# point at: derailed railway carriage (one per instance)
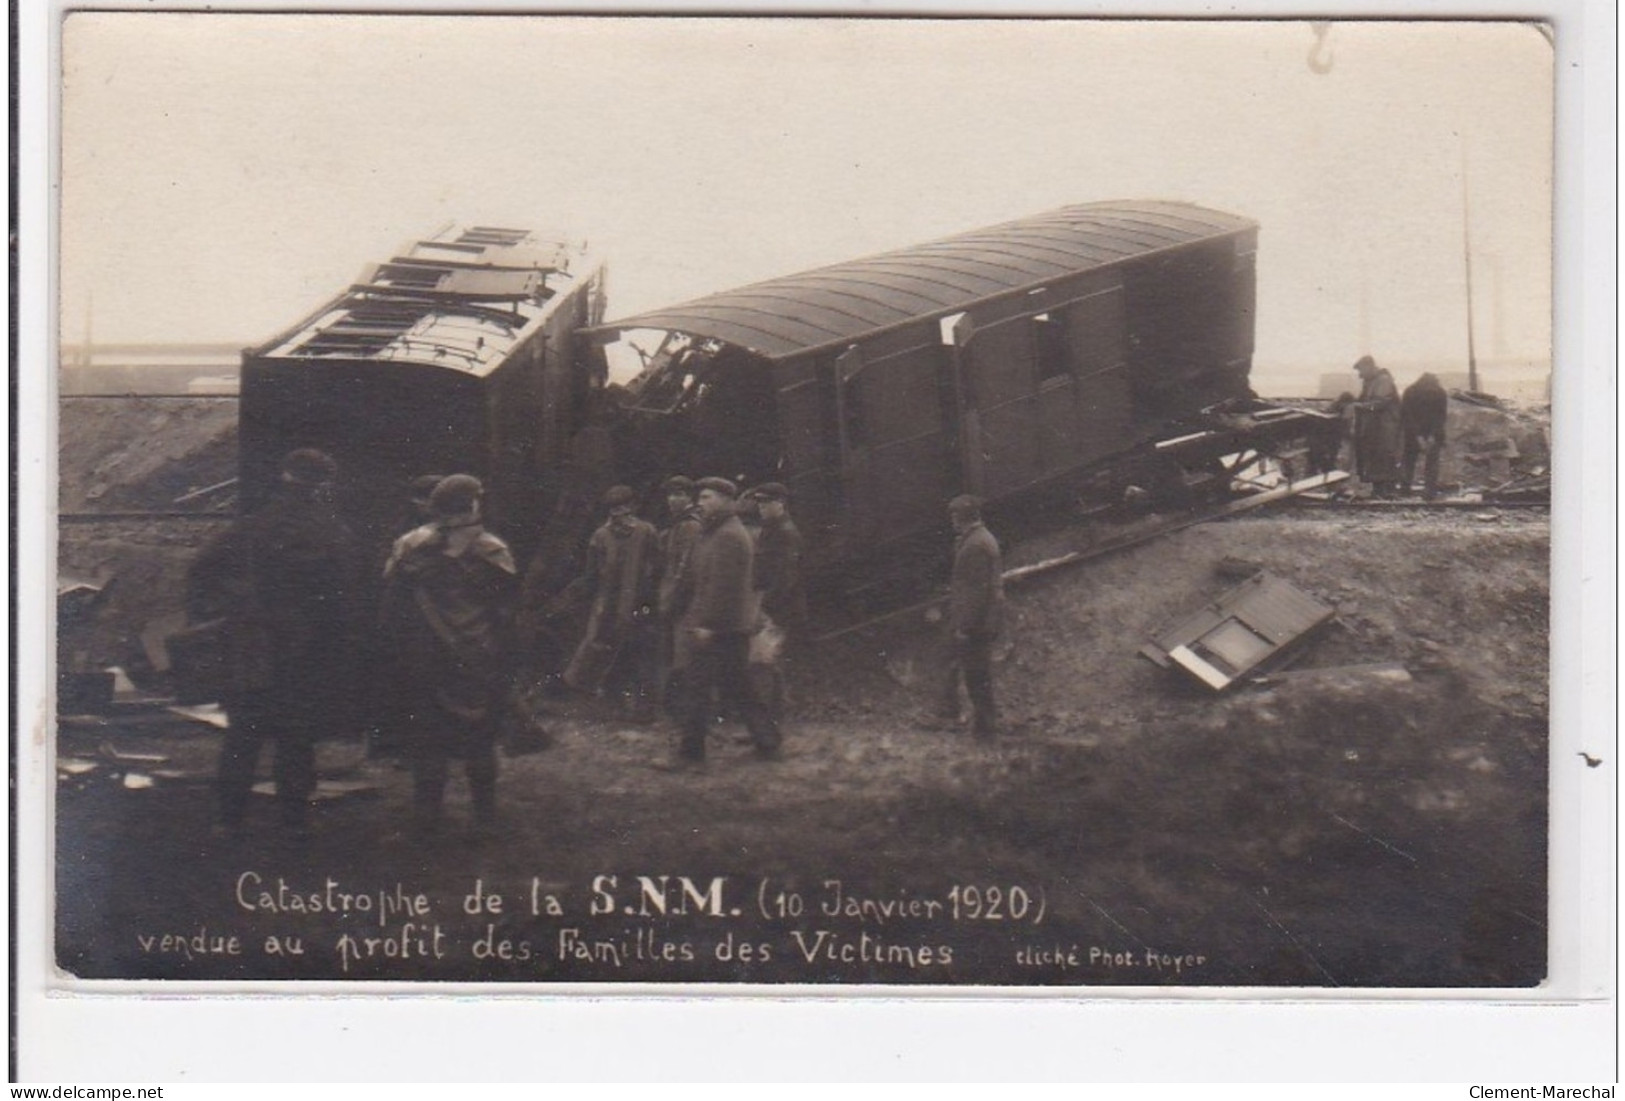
(996, 362)
(456, 355)
(1093, 346)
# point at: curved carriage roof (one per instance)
(837, 304)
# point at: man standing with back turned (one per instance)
(449, 587)
(1423, 410)
(975, 614)
(284, 580)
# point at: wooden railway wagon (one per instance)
(455, 355)
(997, 362)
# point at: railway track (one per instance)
(166, 514)
(137, 396)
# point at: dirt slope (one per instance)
(1329, 831)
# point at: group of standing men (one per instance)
(1392, 430)
(695, 614)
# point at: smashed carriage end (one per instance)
(457, 354)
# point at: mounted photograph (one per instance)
(667, 501)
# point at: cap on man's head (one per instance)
(719, 485)
(770, 491)
(617, 496)
(455, 495)
(966, 506)
(309, 467)
(1364, 364)
(424, 484)
(679, 483)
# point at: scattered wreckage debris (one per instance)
(221, 501)
(326, 790)
(113, 753)
(1477, 397)
(1255, 627)
(78, 596)
(211, 714)
(1124, 542)
(1390, 671)
(103, 697)
(79, 600)
(1473, 500)
(1534, 489)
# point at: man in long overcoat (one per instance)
(676, 543)
(1377, 433)
(449, 587)
(718, 611)
(283, 580)
(621, 634)
(975, 616)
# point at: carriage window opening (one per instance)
(948, 324)
(1050, 349)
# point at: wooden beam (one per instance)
(1022, 573)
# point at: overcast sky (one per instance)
(222, 174)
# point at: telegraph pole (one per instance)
(1467, 262)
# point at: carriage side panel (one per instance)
(384, 427)
(1189, 328)
(911, 452)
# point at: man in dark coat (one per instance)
(1423, 410)
(1377, 434)
(778, 578)
(676, 544)
(779, 547)
(717, 603)
(621, 633)
(448, 588)
(975, 616)
(1327, 437)
(284, 580)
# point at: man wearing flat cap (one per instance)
(1378, 434)
(975, 615)
(283, 581)
(620, 575)
(783, 596)
(448, 589)
(718, 611)
(676, 544)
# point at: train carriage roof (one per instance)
(835, 305)
(462, 299)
